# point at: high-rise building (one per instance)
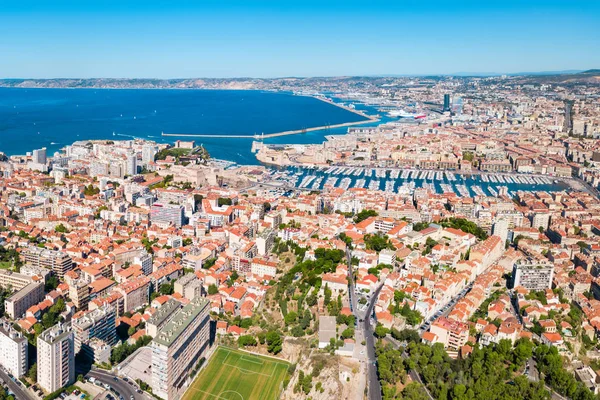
(500, 229)
(148, 153)
(79, 292)
(131, 164)
(13, 349)
(58, 262)
(39, 156)
(99, 323)
(56, 357)
(178, 347)
(457, 105)
(533, 274)
(166, 214)
(145, 260)
(446, 102)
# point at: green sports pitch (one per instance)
(237, 375)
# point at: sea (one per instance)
(54, 118)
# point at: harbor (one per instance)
(405, 181)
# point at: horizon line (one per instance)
(389, 75)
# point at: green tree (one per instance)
(213, 289)
(274, 342)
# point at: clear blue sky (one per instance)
(231, 38)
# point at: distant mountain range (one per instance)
(287, 83)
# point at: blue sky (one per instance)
(231, 38)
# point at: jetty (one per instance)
(369, 119)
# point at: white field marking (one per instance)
(246, 371)
(219, 395)
(255, 361)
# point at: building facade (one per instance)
(56, 357)
(13, 349)
(178, 347)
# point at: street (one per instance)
(374, 386)
(19, 391)
(124, 389)
(444, 311)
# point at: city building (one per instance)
(264, 241)
(56, 261)
(500, 229)
(533, 274)
(178, 347)
(166, 214)
(56, 357)
(162, 316)
(99, 323)
(16, 305)
(13, 349)
(79, 292)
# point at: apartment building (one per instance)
(262, 267)
(56, 261)
(99, 323)
(178, 347)
(56, 357)
(162, 316)
(13, 349)
(189, 286)
(533, 274)
(487, 252)
(16, 305)
(164, 214)
(452, 334)
(79, 293)
(15, 280)
(264, 241)
(136, 292)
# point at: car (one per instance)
(115, 379)
(131, 397)
(139, 391)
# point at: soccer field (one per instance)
(236, 375)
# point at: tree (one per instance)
(328, 294)
(234, 276)
(274, 342)
(348, 333)
(224, 201)
(364, 214)
(32, 373)
(381, 331)
(247, 340)
(60, 228)
(290, 317)
(213, 289)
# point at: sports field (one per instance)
(236, 375)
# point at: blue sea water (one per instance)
(53, 118)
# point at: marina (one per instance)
(405, 180)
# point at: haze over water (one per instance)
(53, 118)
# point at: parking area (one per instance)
(139, 366)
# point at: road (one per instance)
(372, 377)
(118, 385)
(20, 391)
(446, 309)
(374, 386)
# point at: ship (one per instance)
(404, 114)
